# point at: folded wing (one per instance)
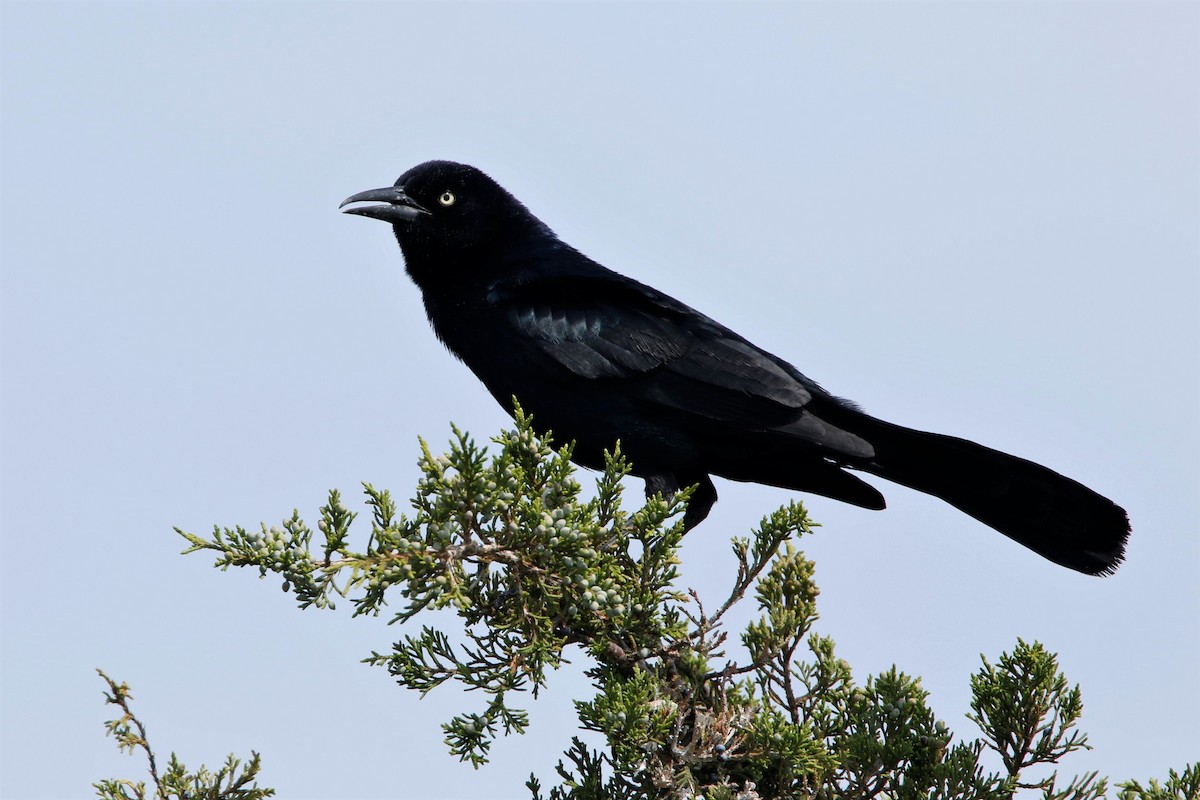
(619, 330)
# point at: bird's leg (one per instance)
(699, 505)
(701, 502)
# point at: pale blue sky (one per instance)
(980, 219)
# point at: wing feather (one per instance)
(613, 328)
(602, 329)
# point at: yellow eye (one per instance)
(447, 199)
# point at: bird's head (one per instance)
(443, 212)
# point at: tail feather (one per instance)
(1050, 514)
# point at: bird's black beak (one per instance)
(396, 205)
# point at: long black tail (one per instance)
(1050, 514)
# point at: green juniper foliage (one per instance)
(231, 782)
(509, 543)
